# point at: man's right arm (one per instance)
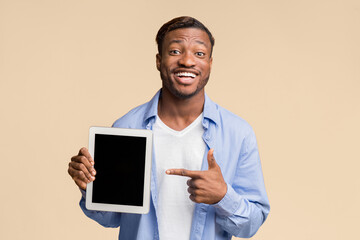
(82, 171)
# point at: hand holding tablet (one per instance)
(81, 168)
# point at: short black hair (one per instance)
(181, 22)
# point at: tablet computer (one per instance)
(123, 163)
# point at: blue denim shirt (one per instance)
(244, 207)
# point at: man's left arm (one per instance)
(245, 205)
(242, 206)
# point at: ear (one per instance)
(210, 62)
(158, 61)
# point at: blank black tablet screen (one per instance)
(120, 166)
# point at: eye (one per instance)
(174, 52)
(200, 54)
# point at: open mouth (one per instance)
(185, 74)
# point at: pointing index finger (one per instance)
(184, 172)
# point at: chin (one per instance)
(184, 94)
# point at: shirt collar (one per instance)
(152, 107)
(210, 109)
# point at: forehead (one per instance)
(187, 35)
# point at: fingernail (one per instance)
(168, 171)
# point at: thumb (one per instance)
(211, 160)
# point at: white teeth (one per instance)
(185, 74)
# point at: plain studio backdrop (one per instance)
(290, 68)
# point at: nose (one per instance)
(187, 60)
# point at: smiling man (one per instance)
(206, 178)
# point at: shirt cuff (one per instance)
(229, 204)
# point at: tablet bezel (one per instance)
(148, 157)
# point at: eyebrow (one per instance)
(180, 41)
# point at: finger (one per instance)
(81, 159)
(80, 184)
(190, 183)
(85, 152)
(194, 182)
(192, 198)
(211, 159)
(79, 176)
(196, 199)
(196, 192)
(184, 172)
(79, 169)
(191, 190)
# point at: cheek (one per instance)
(163, 70)
(206, 69)
(205, 63)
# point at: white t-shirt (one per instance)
(176, 149)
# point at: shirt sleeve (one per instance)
(106, 219)
(245, 205)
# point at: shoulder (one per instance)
(230, 119)
(226, 120)
(236, 131)
(133, 119)
(138, 116)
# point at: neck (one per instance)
(178, 113)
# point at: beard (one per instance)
(168, 84)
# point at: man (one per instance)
(218, 190)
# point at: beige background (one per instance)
(290, 68)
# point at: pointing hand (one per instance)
(204, 186)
